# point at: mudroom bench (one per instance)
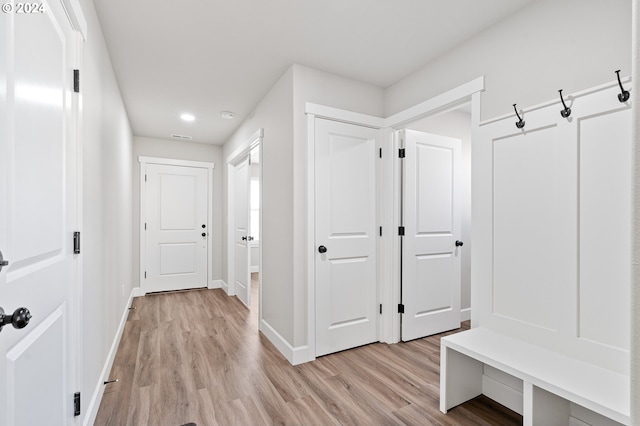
(545, 387)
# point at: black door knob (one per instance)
(322, 249)
(244, 238)
(459, 243)
(19, 319)
(204, 234)
(3, 262)
(204, 226)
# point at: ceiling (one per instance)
(208, 56)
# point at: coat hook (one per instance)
(624, 96)
(520, 122)
(566, 112)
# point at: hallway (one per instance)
(196, 356)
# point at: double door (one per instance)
(347, 235)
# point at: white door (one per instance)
(346, 232)
(176, 227)
(242, 278)
(431, 274)
(38, 206)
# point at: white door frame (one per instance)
(232, 160)
(389, 200)
(143, 210)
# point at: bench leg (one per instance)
(460, 378)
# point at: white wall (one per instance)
(106, 232)
(526, 58)
(457, 124)
(179, 150)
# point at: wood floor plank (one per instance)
(197, 357)
(307, 411)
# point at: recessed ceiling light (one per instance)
(187, 117)
(227, 115)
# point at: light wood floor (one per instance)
(197, 357)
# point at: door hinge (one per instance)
(145, 226)
(381, 308)
(76, 404)
(401, 153)
(400, 308)
(380, 152)
(401, 230)
(381, 231)
(76, 81)
(76, 242)
(145, 275)
(145, 177)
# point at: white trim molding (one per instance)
(217, 284)
(295, 355)
(76, 16)
(96, 397)
(465, 314)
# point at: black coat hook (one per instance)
(624, 96)
(520, 122)
(566, 112)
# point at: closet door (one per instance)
(346, 282)
(431, 246)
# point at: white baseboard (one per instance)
(295, 356)
(216, 284)
(465, 314)
(255, 269)
(224, 286)
(96, 397)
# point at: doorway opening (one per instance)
(244, 195)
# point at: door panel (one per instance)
(430, 259)
(346, 286)
(241, 233)
(38, 206)
(177, 199)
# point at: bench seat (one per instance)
(550, 381)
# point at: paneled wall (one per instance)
(551, 227)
